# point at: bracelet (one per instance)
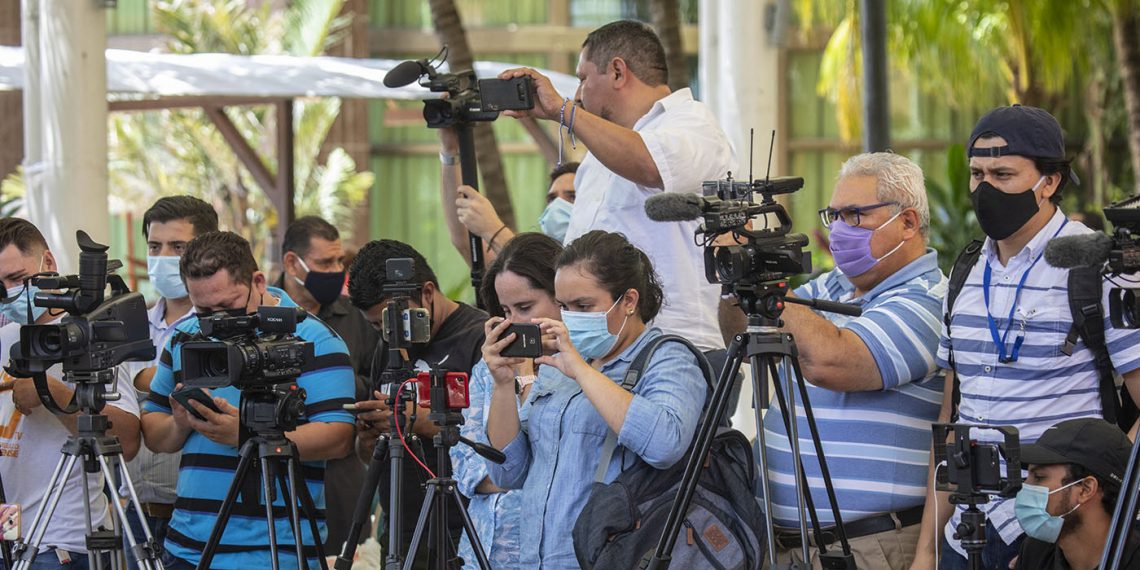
(491, 242)
(448, 159)
(570, 128)
(521, 382)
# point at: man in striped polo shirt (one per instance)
(872, 378)
(221, 275)
(1010, 321)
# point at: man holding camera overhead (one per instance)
(31, 436)
(221, 276)
(643, 140)
(455, 345)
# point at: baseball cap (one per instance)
(1028, 131)
(1091, 443)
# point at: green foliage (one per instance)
(180, 152)
(952, 220)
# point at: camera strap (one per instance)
(963, 265)
(39, 380)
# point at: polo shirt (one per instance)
(208, 468)
(1043, 386)
(876, 443)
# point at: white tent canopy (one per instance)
(135, 74)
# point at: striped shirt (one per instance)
(208, 468)
(1044, 386)
(876, 443)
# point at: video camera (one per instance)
(248, 351)
(1124, 259)
(98, 334)
(974, 467)
(469, 99)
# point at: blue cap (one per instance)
(1028, 131)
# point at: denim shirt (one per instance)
(495, 515)
(555, 455)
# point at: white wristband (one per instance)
(448, 159)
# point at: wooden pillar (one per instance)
(350, 130)
(11, 102)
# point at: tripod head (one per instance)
(270, 410)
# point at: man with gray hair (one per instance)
(872, 378)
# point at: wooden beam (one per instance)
(432, 149)
(204, 101)
(402, 42)
(244, 152)
(545, 143)
(286, 185)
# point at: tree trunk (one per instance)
(666, 17)
(1125, 30)
(350, 130)
(449, 30)
(11, 102)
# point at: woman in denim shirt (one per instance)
(519, 286)
(608, 292)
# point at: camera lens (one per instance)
(49, 342)
(215, 363)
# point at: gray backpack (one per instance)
(623, 520)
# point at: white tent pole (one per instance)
(73, 72)
(33, 151)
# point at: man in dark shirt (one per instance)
(1066, 504)
(312, 258)
(455, 345)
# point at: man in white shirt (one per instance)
(643, 140)
(31, 437)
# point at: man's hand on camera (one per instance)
(476, 212)
(26, 399)
(220, 428)
(547, 101)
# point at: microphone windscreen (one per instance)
(1078, 251)
(674, 207)
(403, 74)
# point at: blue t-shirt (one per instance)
(208, 468)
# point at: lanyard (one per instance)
(1000, 339)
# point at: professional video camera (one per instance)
(98, 333)
(251, 351)
(469, 99)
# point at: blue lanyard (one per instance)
(1000, 339)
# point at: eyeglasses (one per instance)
(851, 216)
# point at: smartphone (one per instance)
(527, 343)
(458, 396)
(184, 395)
(416, 323)
(507, 94)
(9, 522)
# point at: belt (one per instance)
(158, 510)
(862, 527)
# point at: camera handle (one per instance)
(470, 177)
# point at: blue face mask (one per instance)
(590, 333)
(555, 219)
(164, 275)
(17, 309)
(1033, 516)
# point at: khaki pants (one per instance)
(892, 549)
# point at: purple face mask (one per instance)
(851, 247)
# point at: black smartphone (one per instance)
(184, 395)
(527, 343)
(507, 94)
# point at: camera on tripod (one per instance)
(98, 334)
(252, 351)
(974, 467)
(1123, 259)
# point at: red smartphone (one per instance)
(458, 397)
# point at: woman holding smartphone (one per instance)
(518, 287)
(607, 292)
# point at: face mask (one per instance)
(851, 247)
(1001, 214)
(164, 275)
(590, 333)
(555, 219)
(17, 310)
(324, 286)
(1032, 515)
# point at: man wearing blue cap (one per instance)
(1009, 345)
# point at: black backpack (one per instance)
(623, 520)
(1085, 290)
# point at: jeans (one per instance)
(169, 562)
(47, 560)
(157, 530)
(996, 554)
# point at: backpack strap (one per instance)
(963, 265)
(633, 376)
(1085, 290)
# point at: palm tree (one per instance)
(666, 17)
(1126, 41)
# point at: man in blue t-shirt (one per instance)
(872, 379)
(221, 275)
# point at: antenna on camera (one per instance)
(771, 147)
(751, 143)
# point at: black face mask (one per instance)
(324, 286)
(1001, 214)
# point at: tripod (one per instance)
(268, 414)
(100, 453)
(764, 347)
(1125, 514)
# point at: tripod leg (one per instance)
(40, 522)
(361, 513)
(793, 428)
(300, 494)
(267, 490)
(295, 516)
(469, 528)
(153, 547)
(121, 516)
(244, 462)
(421, 524)
(760, 389)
